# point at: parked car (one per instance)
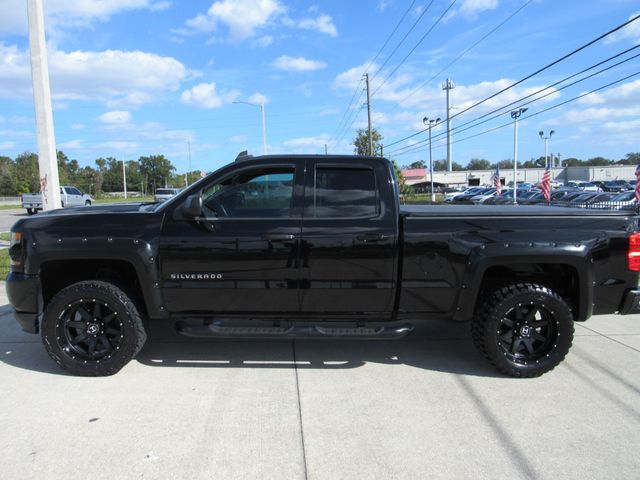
(69, 196)
(448, 197)
(621, 201)
(615, 186)
(164, 194)
(466, 198)
(584, 186)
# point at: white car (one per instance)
(448, 197)
(164, 194)
(582, 185)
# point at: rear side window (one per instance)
(345, 192)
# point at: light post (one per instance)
(546, 139)
(431, 123)
(515, 114)
(264, 124)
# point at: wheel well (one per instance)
(58, 274)
(563, 279)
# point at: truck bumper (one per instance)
(23, 291)
(631, 303)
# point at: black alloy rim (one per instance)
(90, 330)
(527, 333)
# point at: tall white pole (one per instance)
(47, 161)
(515, 159)
(264, 130)
(124, 179)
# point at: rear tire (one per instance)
(92, 328)
(524, 330)
(87, 203)
(31, 211)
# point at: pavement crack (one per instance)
(304, 451)
(610, 338)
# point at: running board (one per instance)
(292, 331)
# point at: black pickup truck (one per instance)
(317, 247)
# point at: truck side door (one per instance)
(240, 256)
(349, 238)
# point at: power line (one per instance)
(426, 9)
(490, 32)
(546, 67)
(475, 122)
(336, 132)
(439, 19)
(610, 84)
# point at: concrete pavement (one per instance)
(425, 407)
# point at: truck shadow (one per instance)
(437, 346)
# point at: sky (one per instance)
(143, 77)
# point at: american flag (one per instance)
(498, 184)
(545, 184)
(638, 184)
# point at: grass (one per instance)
(420, 198)
(10, 206)
(4, 264)
(6, 236)
(104, 200)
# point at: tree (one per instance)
(479, 164)
(402, 186)
(26, 173)
(418, 164)
(7, 168)
(598, 162)
(630, 159)
(361, 142)
(156, 169)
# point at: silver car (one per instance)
(163, 194)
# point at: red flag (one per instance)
(545, 184)
(638, 184)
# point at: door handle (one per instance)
(371, 237)
(278, 237)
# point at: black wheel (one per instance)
(62, 203)
(92, 328)
(87, 203)
(31, 211)
(524, 330)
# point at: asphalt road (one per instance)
(427, 407)
(9, 217)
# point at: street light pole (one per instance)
(264, 123)
(431, 123)
(546, 138)
(515, 114)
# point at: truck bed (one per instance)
(505, 211)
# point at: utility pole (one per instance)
(381, 150)
(187, 175)
(326, 152)
(366, 76)
(124, 179)
(448, 85)
(47, 160)
(515, 114)
(431, 123)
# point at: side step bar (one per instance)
(292, 331)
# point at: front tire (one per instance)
(524, 330)
(92, 328)
(31, 211)
(87, 203)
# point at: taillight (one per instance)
(15, 252)
(633, 256)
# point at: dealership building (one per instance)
(421, 176)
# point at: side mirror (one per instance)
(192, 207)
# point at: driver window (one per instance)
(257, 193)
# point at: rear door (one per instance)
(349, 238)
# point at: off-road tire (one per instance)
(524, 330)
(97, 313)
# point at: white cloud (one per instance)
(382, 5)
(630, 32)
(242, 18)
(297, 64)
(258, 98)
(204, 95)
(262, 42)
(626, 94)
(312, 144)
(70, 145)
(470, 9)
(61, 14)
(323, 24)
(118, 77)
(115, 117)
(238, 139)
